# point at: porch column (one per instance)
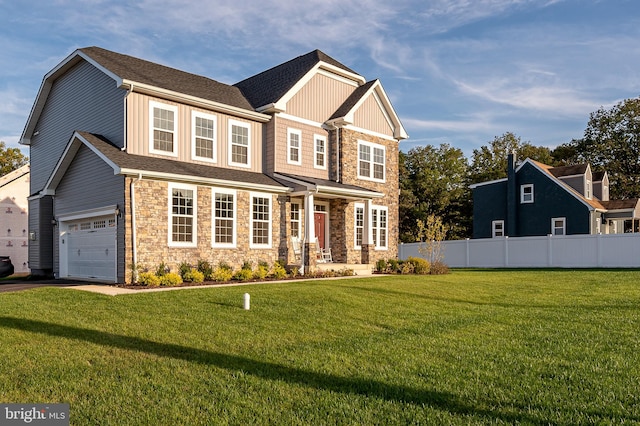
(309, 249)
(367, 234)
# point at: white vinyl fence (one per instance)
(568, 251)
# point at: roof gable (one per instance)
(546, 170)
(271, 89)
(372, 89)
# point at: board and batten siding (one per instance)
(89, 183)
(320, 97)
(138, 136)
(83, 99)
(370, 116)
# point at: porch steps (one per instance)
(358, 269)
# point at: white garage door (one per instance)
(90, 248)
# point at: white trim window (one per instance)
(163, 129)
(224, 218)
(239, 144)
(526, 193)
(182, 215)
(559, 226)
(589, 190)
(497, 228)
(295, 220)
(371, 161)
(203, 136)
(320, 152)
(358, 226)
(379, 226)
(294, 146)
(379, 223)
(260, 222)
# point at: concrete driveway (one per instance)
(18, 284)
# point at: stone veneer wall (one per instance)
(152, 218)
(349, 175)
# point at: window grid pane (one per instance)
(163, 123)
(295, 220)
(239, 144)
(224, 220)
(204, 137)
(320, 152)
(294, 147)
(359, 225)
(261, 219)
(182, 215)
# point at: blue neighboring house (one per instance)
(536, 199)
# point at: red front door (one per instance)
(319, 222)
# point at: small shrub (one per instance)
(193, 276)
(170, 279)
(439, 268)
(162, 269)
(183, 269)
(420, 266)
(279, 272)
(206, 269)
(223, 272)
(149, 279)
(261, 271)
(294, 272)
(393, 266)
(407, 268)
(346, 272)
(245, 273)
(381, 266)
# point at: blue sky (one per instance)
(458, 72)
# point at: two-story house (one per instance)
(537, 199)
(14, 191)
(136, 163)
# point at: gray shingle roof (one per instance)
(352, 100)
(141, 71)
(271, 85)
(162, 165)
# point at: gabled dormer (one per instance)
(578, 177)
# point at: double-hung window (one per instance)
(526, 193)
(320, 152)
(163, 129)
(224, 218)
(294, 146)
(295, 220)
(497, 228)
(379, 226)
(260, 222)
(371, 161)
(203, 136)
(239, 144)
(558, 226)
(182, 215)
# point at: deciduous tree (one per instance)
(10, 159)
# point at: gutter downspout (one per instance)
(134, 242)
(126, 96)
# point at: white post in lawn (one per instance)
(247, 301)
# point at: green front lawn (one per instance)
(501, 347)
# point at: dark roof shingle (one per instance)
(162, 165)
(141, 71)
(269, 86)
